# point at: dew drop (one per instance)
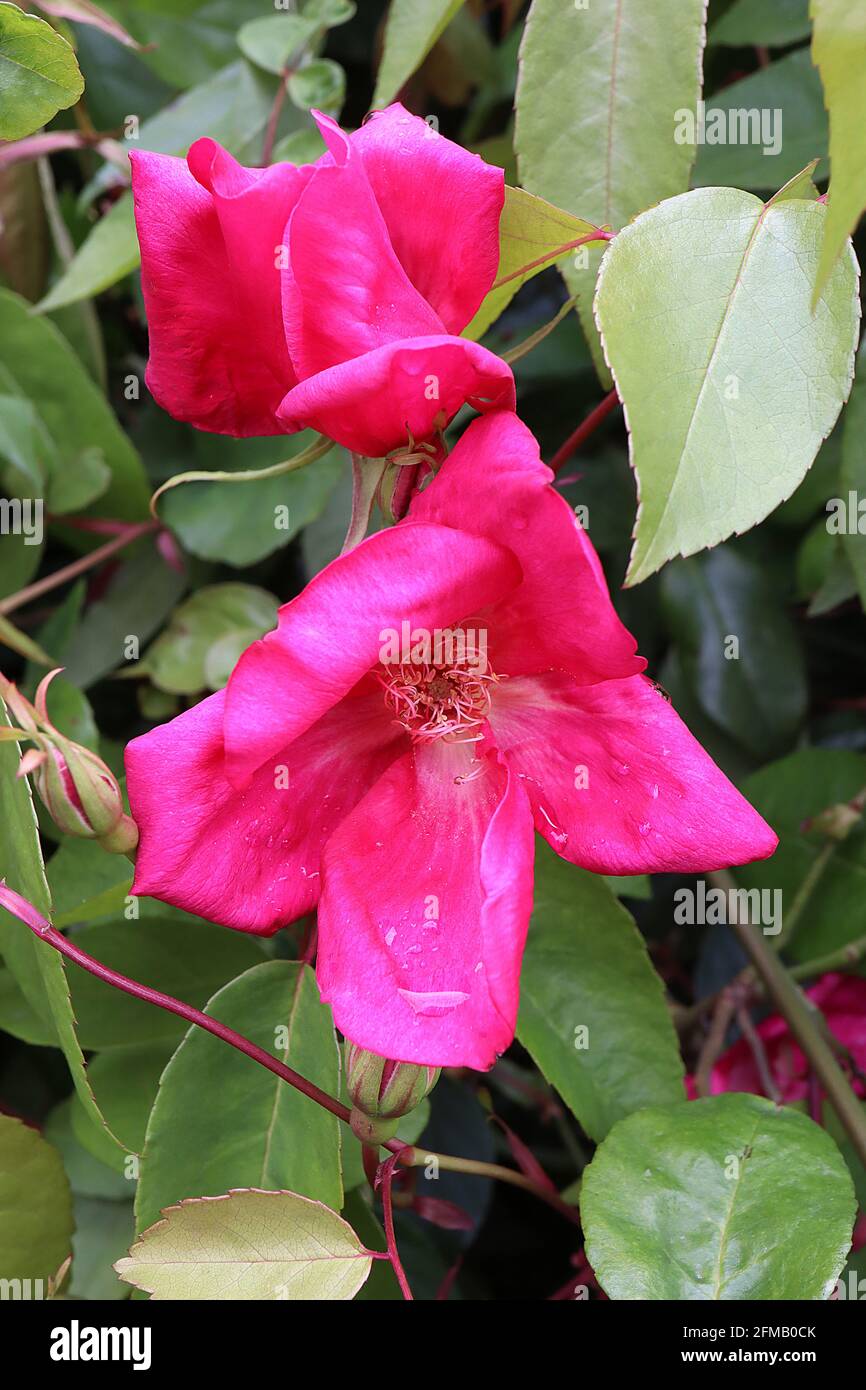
(433, 1003)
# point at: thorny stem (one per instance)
(584, 430)
(405, 1155)
(387, 1178)
(81, 566)
(791, 1003)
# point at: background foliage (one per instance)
(730, 539)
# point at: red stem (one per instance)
(274, 118)
(598, 235)
(584, 430)
(22, 909)
(80, 566)
(388, 1215)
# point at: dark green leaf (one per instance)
(221, 1121)
(592, 1009)
(738, 647)
(726, 1198)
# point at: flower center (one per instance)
(435, 700)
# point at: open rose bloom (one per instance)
(327, 296)
(398, 788)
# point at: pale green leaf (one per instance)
(839, 53)
(248, 1245)
(533, 234)
(190, 654)
(599, 95)
(274, 39)
(729, 382)
(320, 85)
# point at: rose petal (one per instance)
(494, 484)
(331, 634)
(424, 910)
(372, 404)
(441, 205)
(347, 293)
(617, 782)
(210, 234)
(249, 860)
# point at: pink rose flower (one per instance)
(399, 791)
(842, 1001)
(326, 296)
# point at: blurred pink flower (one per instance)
(400, 793)
(327, 295)
(842, 1001)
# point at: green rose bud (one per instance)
(382, 1091)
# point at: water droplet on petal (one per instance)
(433, 1003)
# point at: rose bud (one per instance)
(382, 1091)
(79, 791)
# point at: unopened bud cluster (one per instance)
(382, 1091)
(79, 791)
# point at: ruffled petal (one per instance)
(617, 782)
(494, 484)
(251, 859)
(441, 206)
(425, 904)
(210, 234)
(347, 293)
(331, 635)
(372, 404)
